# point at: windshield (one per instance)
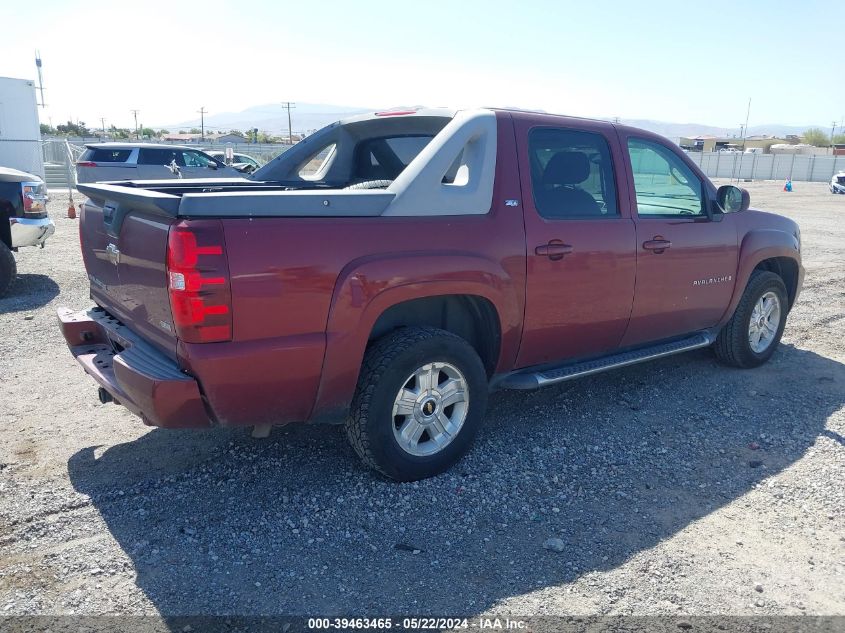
(840, 180)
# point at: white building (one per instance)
(20, 134)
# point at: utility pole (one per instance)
(289, 105)
(832, 130)
(747, 114)
(40, 78)
(202, 112)
(135, 112)
(103, 127)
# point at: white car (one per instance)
(242, 162)
(837, 183)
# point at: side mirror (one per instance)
(212, 165)
(733, 199)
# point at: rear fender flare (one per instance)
(366, 288)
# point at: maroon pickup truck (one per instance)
(391, 269)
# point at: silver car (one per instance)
(837, 183)
(147, 161)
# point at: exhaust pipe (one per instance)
(104, 396)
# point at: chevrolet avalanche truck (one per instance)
(393, 268)
(23, 219)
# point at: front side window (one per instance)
(571, 174)
(664, 184)
(197, 159)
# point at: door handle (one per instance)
(657, 245)
(554, 250)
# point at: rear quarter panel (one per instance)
(306, 292)
(107, 171)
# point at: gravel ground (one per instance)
(675, 487)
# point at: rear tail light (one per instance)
(34, 199)
(198, 282)
(85, 163)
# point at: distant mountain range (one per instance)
(306, 117)
(676, 130)
(273, 118)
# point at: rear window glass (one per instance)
(385, 158)
(103, 155)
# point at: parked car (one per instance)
(389, 270)
(242, 162)
(147, 161)
(23, 219)
(837, 183)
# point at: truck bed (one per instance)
(240, 198)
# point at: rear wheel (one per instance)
(751, 336)
(8, 269)
(420, 401)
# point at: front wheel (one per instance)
(751, 336)
(420, 401)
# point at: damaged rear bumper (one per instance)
(134, 373)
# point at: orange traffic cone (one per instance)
(71, 211)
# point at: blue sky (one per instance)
(672, 61)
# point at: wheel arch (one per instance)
(787, 269)
(464, 294)
(472, 317)
(767, 249)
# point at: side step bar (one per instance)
(541, 378)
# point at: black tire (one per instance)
(732, 346)
(387, 365)
(8, 269)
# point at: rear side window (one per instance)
(103, 155)
(159, 156)
(571, 174)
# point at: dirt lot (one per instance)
(676, 487)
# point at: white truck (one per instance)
(20, 134)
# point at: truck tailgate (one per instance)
(125, 253)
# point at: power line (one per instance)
(289, 105)
(202, 112)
